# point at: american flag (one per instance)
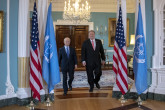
(120, 57)
(36, 83)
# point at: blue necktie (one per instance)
(67, 51)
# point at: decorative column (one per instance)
(23, 49)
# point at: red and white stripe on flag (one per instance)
(120, 68)
(36, 83)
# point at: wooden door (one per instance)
(80, 35)
(61, 33)
(77, 34)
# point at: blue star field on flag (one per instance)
(34, 32)
(120, 39)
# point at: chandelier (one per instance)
(76, 11)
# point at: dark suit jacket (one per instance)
(65, 62)
(90, 55)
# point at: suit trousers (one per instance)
(94, 73)
(71, 77)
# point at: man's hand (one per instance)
(84, 63)
(103, 62)
(75, 66)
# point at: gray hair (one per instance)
(67, 38)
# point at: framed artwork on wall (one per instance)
(1, 31)
(112, 31)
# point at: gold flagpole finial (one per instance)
(119, 2)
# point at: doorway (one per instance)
(77, 34)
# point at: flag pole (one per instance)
(31, 105)
(122, 99)
(119, 3)
(50, 72)
(48, 102)
(139, 101)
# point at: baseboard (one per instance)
(129, 95)
(134, 96)
(159, 97)
(24, 101)
(7, 102)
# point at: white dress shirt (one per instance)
(66, 48)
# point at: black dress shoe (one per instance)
(64, 94)
(70, 88)
(97, 85)
(91, 90)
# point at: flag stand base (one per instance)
(139, 101)
(31, 105)
(48, 102)
(122, 99)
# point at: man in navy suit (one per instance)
(92, 55)
(68, 62)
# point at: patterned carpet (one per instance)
(80, 79)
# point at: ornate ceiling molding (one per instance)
(96, 5)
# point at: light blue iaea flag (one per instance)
(140, 57)
(50, 68)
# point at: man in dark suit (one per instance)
(92, 55)
(68, 62)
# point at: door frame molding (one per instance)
(66, 22)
